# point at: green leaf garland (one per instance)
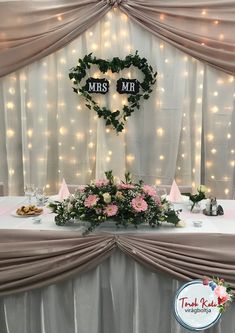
(117, 118)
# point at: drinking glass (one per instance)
(29, 191)
(40, 196)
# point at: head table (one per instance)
(53, 279)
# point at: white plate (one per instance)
(24, 216)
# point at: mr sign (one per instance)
(196, 306)
(127, 86)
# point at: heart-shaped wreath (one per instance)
(116, 118)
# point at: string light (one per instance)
(63, 130)
(10, 133)
(215, 109)
(209, 164)
(11, 172)
(80, 136)
(94, 46)
(10, 105)
(29, 105)
(11, 91)
(210, 137)
(160, 131)
(91, 145)
(130, 158)
(30, 133)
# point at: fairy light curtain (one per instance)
(185, 130)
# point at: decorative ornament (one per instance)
(136, 90)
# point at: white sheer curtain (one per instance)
(184, 131)
(119, 296)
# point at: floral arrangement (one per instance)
(201, 189)
(124, 202)
(222, 290)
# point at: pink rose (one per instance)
(139, 204)
(91, 200)
(101, 182)
(223, 299)
(124, 186)
(220, 291)
(150, 190)
(111, 210)
(81, 188)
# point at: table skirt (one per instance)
(118, 296)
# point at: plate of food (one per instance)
(27, 211)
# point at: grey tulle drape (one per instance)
(30, 259)
(31, 30)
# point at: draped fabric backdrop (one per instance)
(184, 131)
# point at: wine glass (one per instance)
(29, 191)
(162, 192)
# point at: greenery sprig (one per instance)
(117, 118)
(201, 189)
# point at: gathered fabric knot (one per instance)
(114, 2)
(116, 238)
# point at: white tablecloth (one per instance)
(211, 224)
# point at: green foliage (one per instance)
(115, 119)
(197, 197)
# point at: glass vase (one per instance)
(196, 208)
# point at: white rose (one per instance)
(107, 197)
(181, 224)
(70, 207)
(202, 188)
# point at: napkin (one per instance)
(175, 195)
(64, 191)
